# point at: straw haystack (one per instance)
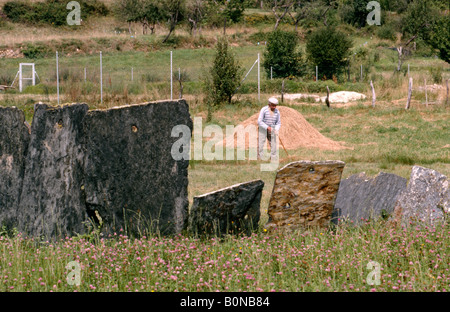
(295, 132)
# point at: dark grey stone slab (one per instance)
(235, 209)
(131, 179)
(14, 139)
(51, 202)
(426, 199)
(361, 197)
(113, 167)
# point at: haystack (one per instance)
(295, 132)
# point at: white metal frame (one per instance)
(21, 78)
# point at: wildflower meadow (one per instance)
(369, 258)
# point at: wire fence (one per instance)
(172, 77)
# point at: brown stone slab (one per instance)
(304, 194)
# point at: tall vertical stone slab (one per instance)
(52, 200)
(234, 209)
(426, 200)
(304, 194)
(131, 178)
(361, 197)
(14, 139)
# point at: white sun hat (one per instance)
(273, 100)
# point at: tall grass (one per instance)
(337, 259)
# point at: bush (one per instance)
(33, 51)
(329, 49)
(436, 74)
(52, 12)
(386, 32)
(19, 12)
(255, 18)
(224, 76)
(281, 55)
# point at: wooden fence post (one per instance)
(408, 102)
(327, 100)
(374, 97)
(446, 100)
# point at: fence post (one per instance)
(408, 102)
(101, 79)
(327, 100)
(374, 97)
(446, 99)
(361, 72)
(259, 84)
(171, 78)
(57, 76)
(317, 73)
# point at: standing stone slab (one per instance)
(51, 202)
(361, 197)
(131, 178)
(229, 210)
(14, 139)
(304, 194)
(426, 199)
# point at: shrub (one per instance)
(224, 76)
(282, 56)
(386, 32)
(436, 74)
(33, 51)
(51, 12)
(255, 18)
(328, 49)
(19, 12)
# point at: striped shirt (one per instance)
(267, 118)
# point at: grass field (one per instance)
(385, 138)
(345, 259)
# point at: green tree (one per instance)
(128, 10)
(150, 14)
(224, 76)
(175, 11)
(354, 12)
(329, 49)
(439, 36)
(282, 56)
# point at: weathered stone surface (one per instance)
(304, 194)
(426, 199)
(362, 197)
(14, 139)
(51, 202)
(131, 178)
(229, 210)
(79, 166)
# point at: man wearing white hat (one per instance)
(269, 123)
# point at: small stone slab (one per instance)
(426, 199)
(361, 197)
(304, 194)
(235, 209)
